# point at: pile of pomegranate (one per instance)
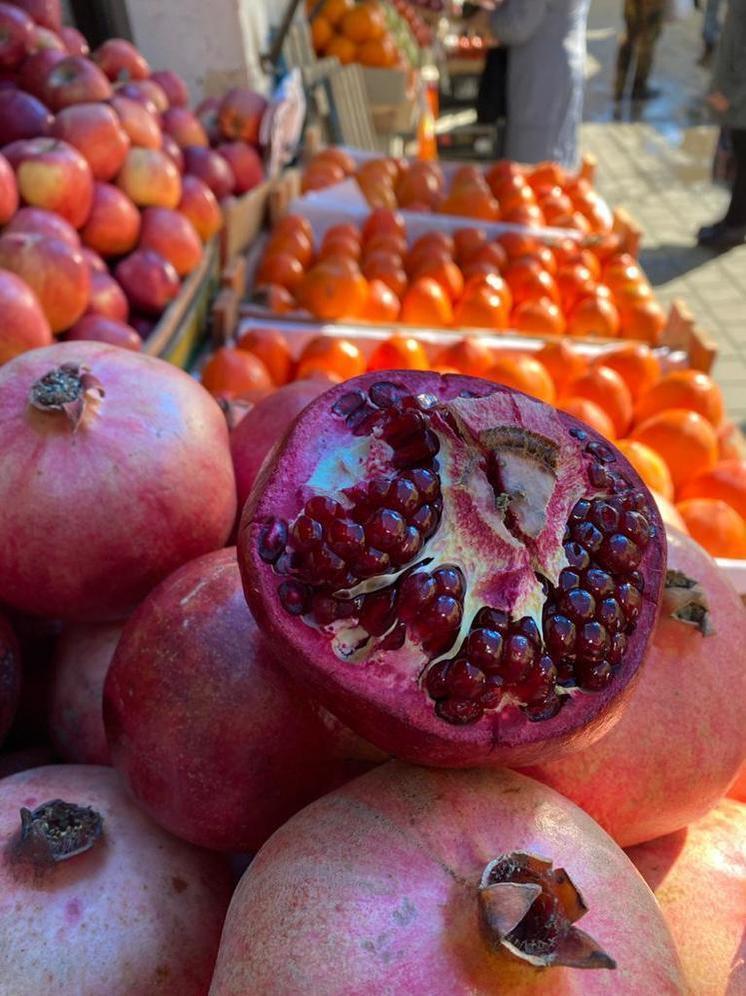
(262, 689)
(109, 184)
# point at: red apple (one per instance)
(52, 174)
(8, 191)
(99, 328)
(150, 178)
(240, 114)
(246, 164)
(94, 261)
(44, 38)
(200, 206)
(57, 274)
(75, 80)
(172, 235)
(120, 60)
(24, 324)
(173, 151)
(148, 280)
(207, 112)
(22, 116)
(210, 167)
(75, 42)
(184, 127)
(107, 298)
(173, 85)
(38, 221)
(16, 31)
(96, 133)
(48, 13)
(146, 92)
(141, 126)
(35, 68)
(113, 225)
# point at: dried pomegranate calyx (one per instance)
(67, 389)
(685, 600)
(528, 910)
(57, 831)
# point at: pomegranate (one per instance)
(698, 876)
(461, 573)
(116, 470)
(94, 898)
(192, 677)
(738, 788)
(10, 676)
(37, 639)
(443, 882)
(680, 741)
(266, 423)
(81, 660)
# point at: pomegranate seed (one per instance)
(425, 519)
(559, 634)
(306, 532)
(635, 578)
(518, 657)
(619, 553)
(577, 555)
(484, 648)
(464, 681)
(324, 509)
(417, 591)
(385, 529)
(385, 394)
(395, 639)
(587, 535)
(294, 597)
(630, 600)
(493, 691)
(325, 565)
(324, 609)
(599, 583)
(635, 526)
(593, 641)
(450, 581)
(378, 611)
(346, 538)
(372, 562)
(444, 613)
(349, 403)
(580, 434)
(618, 646)
(364, 420)
(489, 618)
(580, 511)
(426, 482)
(604, 515)
(459, 711)
(403, 496)
(599, 477)
(400, 426)
(594, 676)
(528, 628)
(544, 708)
(568, 580)
(410, 546)
(273, 540)
(435, 679)
(578, 604)
(609, 612)
(377, 492)
(600, 451)
(420, 450)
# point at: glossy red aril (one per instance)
(461, 572)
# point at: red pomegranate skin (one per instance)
(214, 741)
(10, 676)
(373, 889)
(738, 788)
(81, 660)
(96, 517)
(139, 914)
(264, 425)
(698, 876)
(384, 701)
(680, 742)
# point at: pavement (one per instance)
(655, 160)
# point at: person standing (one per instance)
(728, 99)
(546, 74)
(643, 20)
(710, 31)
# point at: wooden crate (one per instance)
(243, 219)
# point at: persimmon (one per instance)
(230, 373)
(335, 10)
(332, 289)
(546, 257)
(344, 230)
(606, 388)
(715, 526)
(433, 241)
(564, 361)
(328, 354)
(382, 304)
(643, 319)
(294, 243)
(471, 202)
(470, 356)
(649, 465)
(386, 267)
(622, 268)
(399, 352)
(690, 389)
(493, 253)
(557, 210)
(568, 251)
(500, 172)
(482, 307)
(340, 246)
(342, 48)
(333, 154)
(445, 272)
(594, 315)
(383, 221)
(685, 439)
(320, 177)
(528, 280)
(385, 242)
(538, 316)
(731, 441)
(727, 481)
(590, 413)
(362, 23)
(574, 281)
(517, 244)
(591, 261)
(468, 175)
(636, 364)
(379, 53)
(321, 33)
(426, 303)
(529, 215)
(547, 173)
(271, 346)
(418, 187)
(510, 187)
(294, 223)
(280, 268)
(378, 193)
(523, 373)
(467, 242)
(277, 299)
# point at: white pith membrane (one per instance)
(502, 540)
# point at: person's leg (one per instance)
(731, 231)
(710, 31)
(652, 25)
(626, 45)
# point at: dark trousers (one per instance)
(643, 22)
(736, 215)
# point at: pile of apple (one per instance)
(109, 184)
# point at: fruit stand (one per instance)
(372, 554)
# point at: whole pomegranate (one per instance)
(410, 880)
(461, 573)
(738, 787)
(10, 676)
(192, 678)
(116, 469)
(76, 722)
(264, 425)
(680, 741)
(94, 898)
(698, 876)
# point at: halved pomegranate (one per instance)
(459, 572)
